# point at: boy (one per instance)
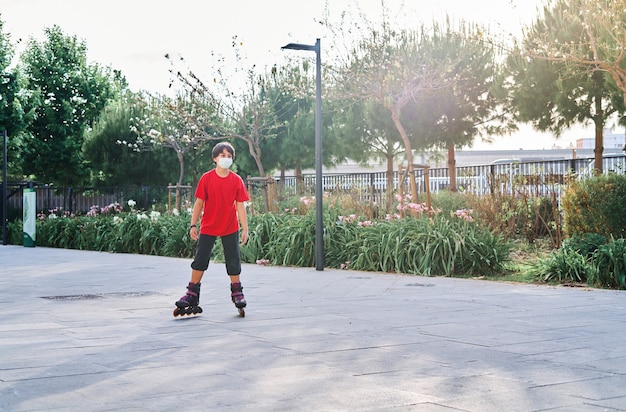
(220, 197)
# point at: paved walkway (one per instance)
(94, 331)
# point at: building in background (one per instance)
(614, 144)
(610, 141)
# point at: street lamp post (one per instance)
(319, 223)
(4, 187)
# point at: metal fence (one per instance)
(82, 199)
(540, 178)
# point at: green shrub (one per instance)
(338, 236)
(564, 265)
(15, 232)
(530, 216)
(610, 265)
(260, 228)
(595, 205)
(441, 245)
(432, 250)
(95, 234)
(585, 244)
(176, 241)
(292, 243)
(437, 246)
(483, 253)
(130, 237)
(62, 232)
(448, 201)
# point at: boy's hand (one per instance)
(193, 232)
(244, 237)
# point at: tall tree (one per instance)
(110, 146)
(585, 36)
(68, 94)
(389, 67)
(295, 111)
(451, 117)
(370, 134)
(552, 96)
(246, 114)
(12, 116)
(181, 124)
(173, 123)
(294, 106)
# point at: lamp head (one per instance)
(298, 46)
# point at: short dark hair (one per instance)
(219, 148)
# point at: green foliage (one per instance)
(589, 258)
(448, 202)
(292, 243)
(67, 96)
(108, 146)
(451, 244)
(15, 230)
(260, 228)
(60, 232)
(175, 240)
(134, 232)
(483, 253)
(451, 116)
(610, 265)
(437, 246)
(585, 244)
(424, 246)
(595, 205)
(554, 95)
(135, 235)
(564, 265)
(530, 216)
(12, 116)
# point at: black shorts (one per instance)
(204, 250)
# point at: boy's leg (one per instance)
(204, 249)
(232, 257)
(196, 275)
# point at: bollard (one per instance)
(29, 216)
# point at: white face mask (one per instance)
(225, 162)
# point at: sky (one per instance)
(134, 35)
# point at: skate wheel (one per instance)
(189, 311)
(199, 310)
(176, 312)
(242, 312)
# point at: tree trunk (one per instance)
(599, 126)
(395, 116)
(452, 167)
(181, 174)
(299, 179)
(389, 186)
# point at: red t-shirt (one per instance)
(219, 217)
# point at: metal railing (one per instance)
(82, 199)
(539, 178)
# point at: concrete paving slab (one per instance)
(84, 330)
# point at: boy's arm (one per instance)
(243, 220)
(195, 216)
